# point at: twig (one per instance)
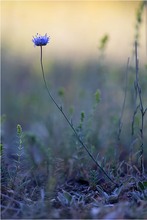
(10, 198)
(70, 124)
(133, 119)
(6, 208)
(141, 108)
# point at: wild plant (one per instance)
(139, 107)
(15, 176)
(20, 146)
(96, 101)
(93, 178)
(3, 170)
(85, 128)
(15, 180)
(12, 174)
(41, 41)
(139, 15)
(103, 44)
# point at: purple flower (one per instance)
(39, 40)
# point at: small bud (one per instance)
(19, 130)
(61, 92)
(97, 96)
(71, 110)
(82, 116)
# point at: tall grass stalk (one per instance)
(139, 107)
(69, 122)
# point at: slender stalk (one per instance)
(70, 124)
(142, 111)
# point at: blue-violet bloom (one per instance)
(39, 40)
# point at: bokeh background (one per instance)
(75, 28)
(75, 68)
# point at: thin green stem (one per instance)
(70, 124)
(139, 92)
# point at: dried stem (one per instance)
(138, 95)
(70, 123)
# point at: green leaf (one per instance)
(145, 184)
(141, 186)
(67, 195)
(102, 192)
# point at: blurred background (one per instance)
(75, 28)
(90, 42)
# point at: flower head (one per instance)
(39, 40)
